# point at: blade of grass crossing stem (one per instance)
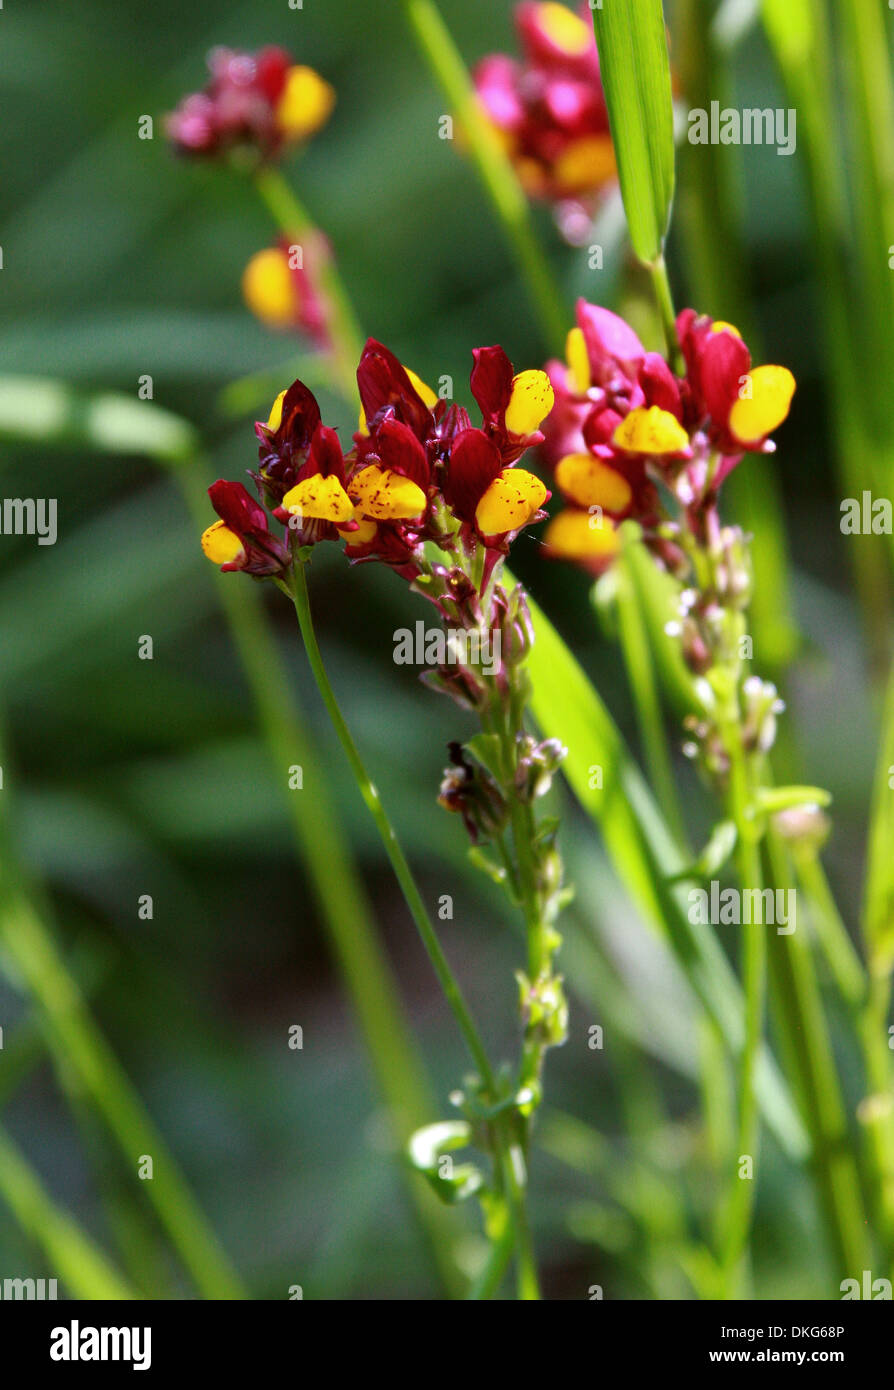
(72, 1254)
(612, 791)
(494, 169)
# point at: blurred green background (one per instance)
(133, 777)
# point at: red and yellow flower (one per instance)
(279, 286)
(624, 423)
(260, 100)
(549, 109)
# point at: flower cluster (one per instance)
(418, 470)
(280, 285)
(261, 101)
(550, 111)
(625, 426)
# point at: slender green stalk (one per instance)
(494, 169)
(77, 1042)
(811, 1064)
(452, 992)
(516, 1180)
(344, 907)
(293, 221)
(491, 1276)
(74, 1258)
(664, 298)
(754, 976)
(841, 955)
(634, 639)
(510, 1157)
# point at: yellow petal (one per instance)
(590, 482)
(274, 420)
(426, 394)
(385, 495)
(320, 499)
(509, 503)
(564, 28)
(221, 544)
(531, 401)
(772, 389)
(650, 431)
(268, 288)
(586, 163)
(365, 532)
(578, 360)
(578, 535)
(306, 103)
(719, 325)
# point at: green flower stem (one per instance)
(76, 1042)
(661, 286)
(83, 1268)
(754, 977)
(494, 169)
(811, 1063)
(297, 591)
(516, 1180)
(294, 221)
(867, 998)
(491, 1276)
(344, 908)
(841, 955)
(877, 1111)
(635, 646)
(507, 1155)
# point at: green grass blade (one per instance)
(73, 1256)
(878, 905)
(630, 36)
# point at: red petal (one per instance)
(660, 385)
(724, 361)
(300, 416)
(474, 463)
(235, 505)
(383, 383)
(400, 450)
(491, 380)
(325, 456)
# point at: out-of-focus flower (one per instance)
(624, 426)
(242, 539)
(279, 287)
(549, 109)
(261, 100)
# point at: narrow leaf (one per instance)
(632, 43)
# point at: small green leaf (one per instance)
(714, 855)
(632, 42)
(429, 1152)
(773, 799)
